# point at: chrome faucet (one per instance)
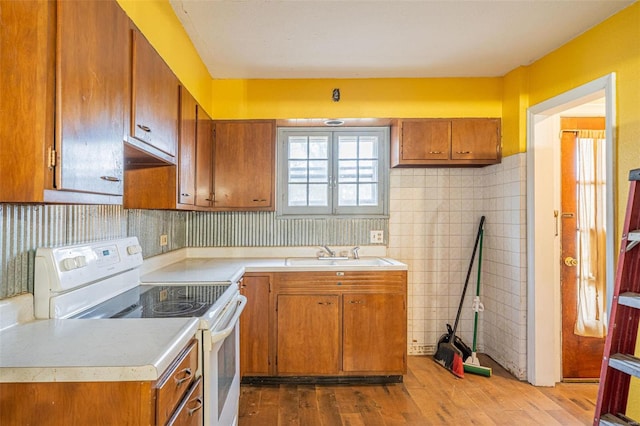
(355, 252)
(329, 251)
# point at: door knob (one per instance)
(570, 261)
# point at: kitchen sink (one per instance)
(315, 261)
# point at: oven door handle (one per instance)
(217, 336)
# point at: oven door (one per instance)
(221, 367)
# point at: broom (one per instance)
(472, 364)
(452, 351)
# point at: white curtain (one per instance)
(591, 198)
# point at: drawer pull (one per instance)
(435, 152)
(144, 128)
(259, 200)
(198, 406)
(182, 376)
(110, 178)
(355, 301)
(325, 303)
(184, 194)
(463, 152)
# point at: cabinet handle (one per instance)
(325, 303)
(435, 152)
(144, 128)
(463, 152)
(186, 377)
(197, 407)
(184, 194)
(355, 301)
(110, 178)
(261, 200)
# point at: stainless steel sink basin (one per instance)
(314, 261)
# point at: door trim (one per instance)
(544, 352)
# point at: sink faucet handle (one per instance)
(355, 252)
(329, 251)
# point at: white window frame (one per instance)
(381, 210)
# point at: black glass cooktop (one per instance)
(158, 301)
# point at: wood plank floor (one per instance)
(430, 395)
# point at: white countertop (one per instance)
(230, 269)
(79, 350)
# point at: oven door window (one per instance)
(226, 368)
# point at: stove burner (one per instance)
(176, 308)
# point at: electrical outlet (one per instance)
(164, 240)
(377, 237)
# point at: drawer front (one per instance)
(190, 410)
(175, 382)
(342, 281)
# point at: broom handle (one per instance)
(466, 281)
(475, 320)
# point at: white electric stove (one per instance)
(102, 280)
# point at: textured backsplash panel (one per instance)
(264, 229)
(24, 228)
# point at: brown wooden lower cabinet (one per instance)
(308, 334)
(102, 403)
(325, 324)
(255, 358)
(374, 333)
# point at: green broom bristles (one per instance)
(478, 369)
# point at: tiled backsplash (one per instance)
(435, 215)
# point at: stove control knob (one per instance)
(69, 264)
(135, 249)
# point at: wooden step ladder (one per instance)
(619, 363)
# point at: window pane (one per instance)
(347, 171)
(319, 171)
(318, 195)
(368, 195)
(298, 171)
(298, 147)
(297, 195)
(318, 147)
(347, 147)
(347, 195)
(368, 171)
(368, 147)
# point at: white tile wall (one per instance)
(433, 224)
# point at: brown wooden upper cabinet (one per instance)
(154, 104)
(186, 186)
(244, 165)
(68, 60)
(204, 159)
(445, 142)
(187, 148)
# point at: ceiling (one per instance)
(272, 39)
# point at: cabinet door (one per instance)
(254, 327)
(425, 140)
(308, 330)
(475, 139)
(92, 96)
(187, 149)
(204, 160)
(244, 165)
(155, 100)
(374, 338)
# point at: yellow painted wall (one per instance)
(360, 98)
(158, 22)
